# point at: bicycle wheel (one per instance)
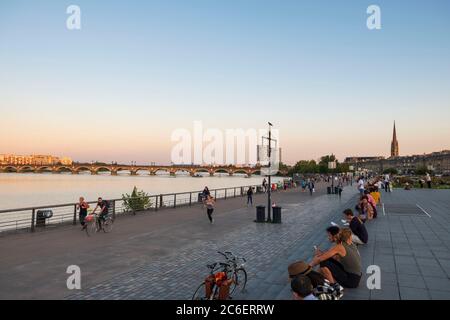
(108, 225)
(91, 228)
(239, 281)
(200, 293)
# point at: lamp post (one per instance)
(269, 193)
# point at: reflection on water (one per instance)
(29, 189)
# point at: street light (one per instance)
(269, 193)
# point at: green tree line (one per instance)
(312, 166)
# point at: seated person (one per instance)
(372, 203)
(365, 209)
(342, 263)
(302, 288)
(407, 186)
(322, 289)
(332, 233)
(375, 193)
(359, 231)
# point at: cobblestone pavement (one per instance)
(33, 265)
(265, 246)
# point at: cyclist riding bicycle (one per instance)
(104, 206)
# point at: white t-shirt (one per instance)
(361, 184)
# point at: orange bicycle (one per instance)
(216, 286)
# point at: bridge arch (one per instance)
(63, 169)
(200, 171)
(240, 171)
(44, 169)
(82, 169)
(10, 169)
(141, 171)
(25, 169)
(222, 170)
(161, 169)
(182, 171)
(102, 169)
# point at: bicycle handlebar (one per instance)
(230, 256)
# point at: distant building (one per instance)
(66, 161)
(438, 162)
(37, 160)
(353, 160)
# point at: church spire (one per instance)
(394, 144)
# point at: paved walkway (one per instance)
(34, 265)
(163, 255)
(410, 242)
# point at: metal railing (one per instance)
(31, 219)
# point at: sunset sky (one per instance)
(138, 70)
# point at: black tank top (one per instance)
(83, 210)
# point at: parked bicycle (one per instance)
(225, 278)
(238, 273)
(93, 225)
(216, 286)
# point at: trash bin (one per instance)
(328, 190)
(260, 214)
(276, 214)
(41, 215)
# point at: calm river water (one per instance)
(29, 189)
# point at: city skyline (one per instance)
(116, 89)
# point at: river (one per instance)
(29, 189)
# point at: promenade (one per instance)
(162, 255)
(409, 241)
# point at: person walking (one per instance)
(250, 196)
(210, 208)
(340, 187)
(205, 193)
(264, 185)
(386, 183)
(311, 186)
(361, 186)
(428, 180)
(83, 206)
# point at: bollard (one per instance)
(276, 214)
(260, 214)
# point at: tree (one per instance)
(390, 171)
(304, 166)
(422, 170)
(137, 201)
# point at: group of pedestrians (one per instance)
(309, 184)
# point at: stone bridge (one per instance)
(114, 169)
